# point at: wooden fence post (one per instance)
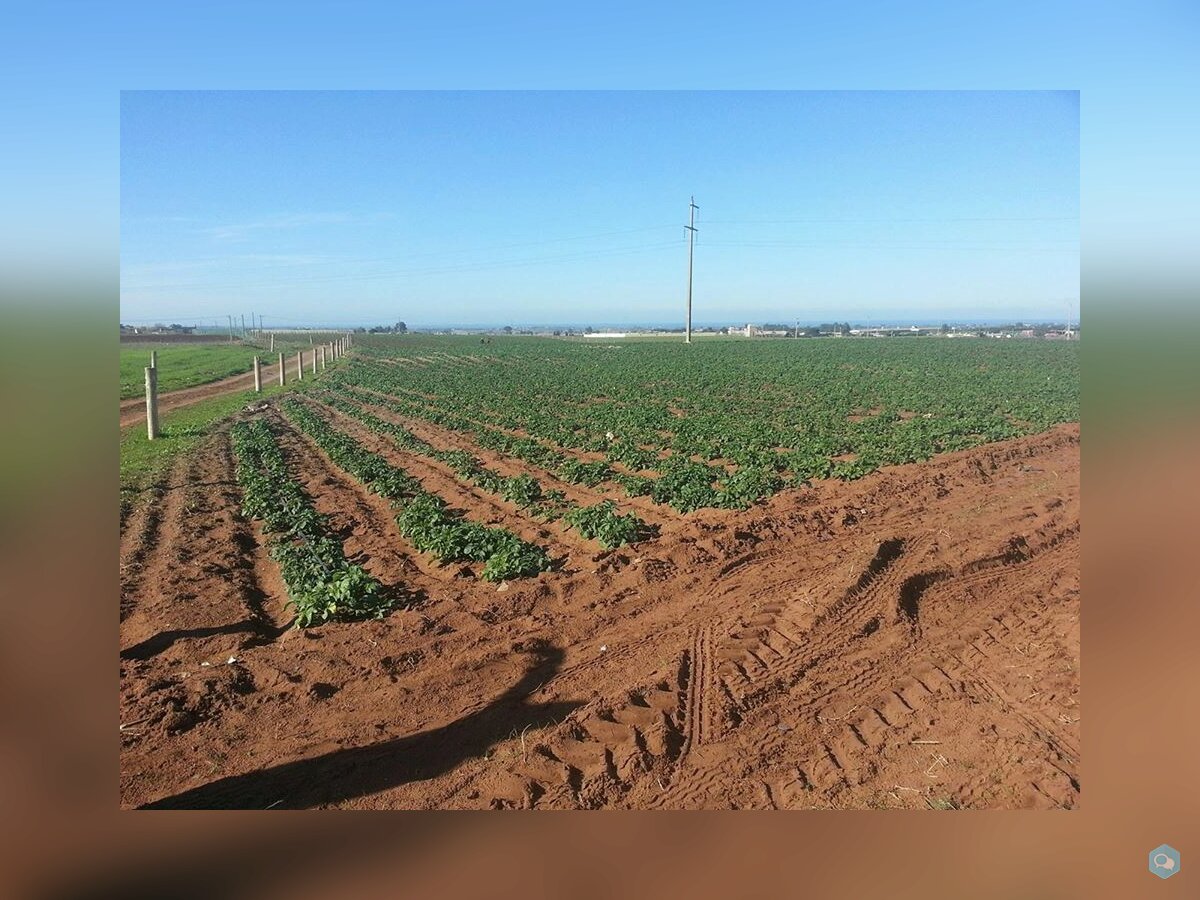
(299, 365)
(321, 350)
(257, 376)
(282, 370)
(314, 361)
(154, 359)
(151, 402)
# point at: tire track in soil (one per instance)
(841, 756)
(699, 715)
(845, 749)
(851, 616)
(605, 749)
(594, 756)
(778, 660)
(691, 704)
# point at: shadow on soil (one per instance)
(345, 774)
(152, 646)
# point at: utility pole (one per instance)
(230, 318)
(691, 230)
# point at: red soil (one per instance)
(910, 639)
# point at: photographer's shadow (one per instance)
(345, 774)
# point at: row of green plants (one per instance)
(322, 584)
(423, 517)
(602, 523)
(802, 410)
(680, 482)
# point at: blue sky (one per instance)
(568, 207)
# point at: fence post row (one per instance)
(151, 402)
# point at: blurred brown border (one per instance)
(64, 836)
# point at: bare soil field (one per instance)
(906, 640)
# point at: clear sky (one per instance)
(567, 207)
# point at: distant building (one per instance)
(750, 330)
(607, 334)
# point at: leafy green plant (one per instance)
(523, 490)
(423, 518)
(322, 584)
(746, 486)
(679, 416)
(603, 523)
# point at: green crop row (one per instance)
(524, 490)
(321, 583)
(775, 412)
(603, 523)
(682, 483)
(423, 518)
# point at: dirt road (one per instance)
(910, 639)
(133, 410)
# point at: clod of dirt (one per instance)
(321, 690)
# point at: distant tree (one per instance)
(556, 333)
(945, 329)
(400, 328)
(588, 330)
(507, 329)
